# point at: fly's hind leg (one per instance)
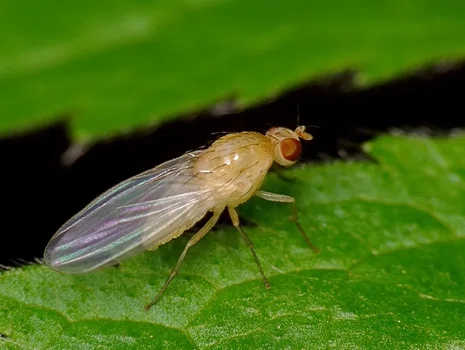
(197, 237)
(282, 198)
(235, 220)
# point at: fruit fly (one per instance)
(156, 206)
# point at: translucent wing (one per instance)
(140, 212)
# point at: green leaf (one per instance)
(390, 274)
(121, 64)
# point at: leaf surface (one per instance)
(390, 274)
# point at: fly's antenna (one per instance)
(298, 118)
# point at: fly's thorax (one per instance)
(236, 164)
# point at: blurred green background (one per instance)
(117, 65)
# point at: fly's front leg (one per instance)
(282, 198)
(235, 220)
(197, 237)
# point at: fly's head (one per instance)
(286, 144)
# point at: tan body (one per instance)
(235, 166)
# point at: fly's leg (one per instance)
(235, 220)
(282, 198)
(197, 237)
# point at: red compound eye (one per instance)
(291, 149)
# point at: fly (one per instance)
(156, 206)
